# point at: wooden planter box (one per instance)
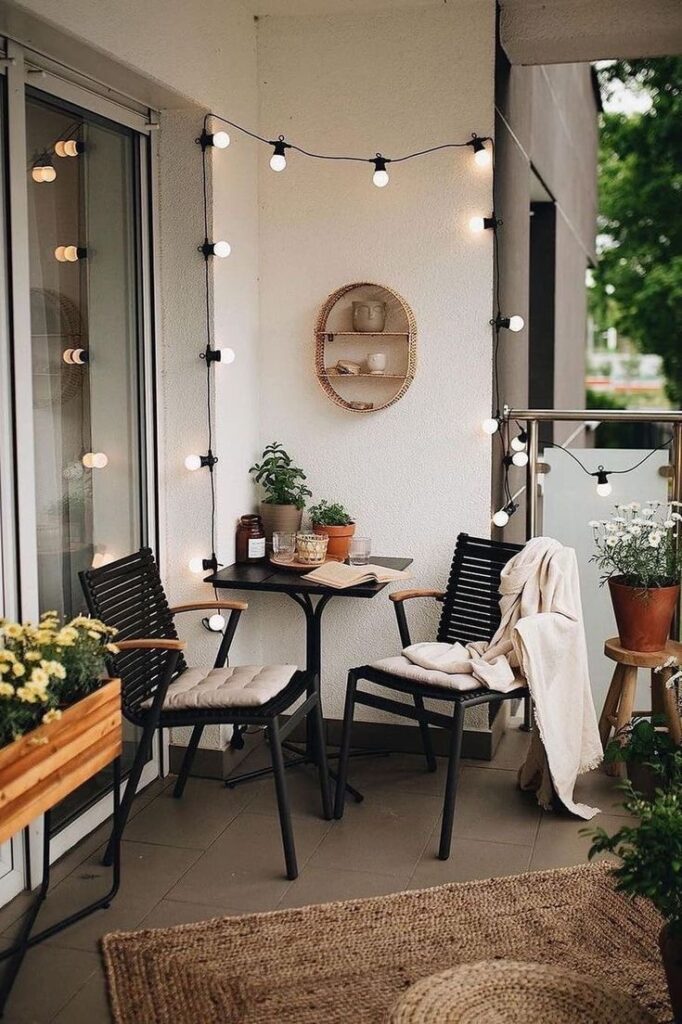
(42, 767)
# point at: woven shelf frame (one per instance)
(322, 332)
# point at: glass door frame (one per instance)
(22, 68)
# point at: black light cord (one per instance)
(337, 156)
(610, 472)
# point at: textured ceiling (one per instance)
(285, 7)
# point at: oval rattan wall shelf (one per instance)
(336, 341)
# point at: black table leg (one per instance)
(16, 953)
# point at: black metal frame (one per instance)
(26, 940)
(129, 595)
(470, 613)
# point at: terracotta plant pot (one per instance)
(671, 953)
(339, 540)
(643, 617)
(279, 519)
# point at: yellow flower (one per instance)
(6, 655)
(113, 649)
(6, 690)
(94, 634)
(54, 668)
(18, 669)
(32, 656)
(13, 630)
(40, 677)
(53, 715)
(66, 637)
(27, 695)
(49, 615)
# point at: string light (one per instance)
(75, 356)
(278, 160)
(514, 323)
(95, 460)
(221, 249)
(194, 462)
(216, 623)
(491, 425)
(520, 458)
(218, 355)
(69, 147)
(503, 515)
(43, 170)
(380, 176)
(198, 565)
(70, 253)
(481, 155)
(604, 488)
(519, 442)
(219, 140)
(478, 224)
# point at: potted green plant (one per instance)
(651, 866)
(284, 490)
(651, 757)
(331, 520)
(638, 552)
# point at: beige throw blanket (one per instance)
(541, 636)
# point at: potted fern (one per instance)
(638, 551)
(282, 505)
(651, 866)
(332, 520)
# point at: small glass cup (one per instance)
(360, 549)
(284, 546)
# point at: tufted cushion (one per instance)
(241, 686)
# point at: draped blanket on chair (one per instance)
(542, 638)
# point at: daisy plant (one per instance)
(46, 667)
(640, 544)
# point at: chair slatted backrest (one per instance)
(471, 606)
(128, 594)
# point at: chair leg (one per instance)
(141, 758)
(451, 784)
(322, 766)
(282, 800)
(431, 762)
(344, 751)
(187, 760)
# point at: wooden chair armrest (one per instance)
(406, 595)
(237, 606)
(159, 644)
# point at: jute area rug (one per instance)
(348, 963)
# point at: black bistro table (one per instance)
(313, 599)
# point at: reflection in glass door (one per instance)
(86, 347)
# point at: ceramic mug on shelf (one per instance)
(376, 362)
(369, 316)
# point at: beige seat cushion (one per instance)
(401, 666)
(241, 686)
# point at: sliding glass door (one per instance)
(80, 380)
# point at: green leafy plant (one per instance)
(329, 514)
(641, 742)
(650, 853)
(46, 667)
(281, 481)
(639, 544)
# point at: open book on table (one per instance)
(339, 575)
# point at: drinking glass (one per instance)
(360, 548)
(284, 546)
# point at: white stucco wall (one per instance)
(417, 473)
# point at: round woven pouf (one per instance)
(509, 992)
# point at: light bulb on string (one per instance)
(477, 224)
(219, 140)
(95, 460)
(194, 462)
(199, 565)
(219, 355)
(278, 160)
(491, 425)
(380, 176)
(75, 356)
(221, 249)
(513, 323)
(70, 253)
(604, 487)
(503, 515)
(43, 170)
(520, 458)
(519, 442)
(69, 147)
(482, 157)
(216, 623)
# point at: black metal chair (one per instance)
(160, 691)
(470, 612)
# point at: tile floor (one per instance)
(218, 852)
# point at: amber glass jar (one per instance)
(250, 545)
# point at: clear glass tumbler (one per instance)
(360, 550)
(284, 546)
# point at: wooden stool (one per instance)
(620, 700)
